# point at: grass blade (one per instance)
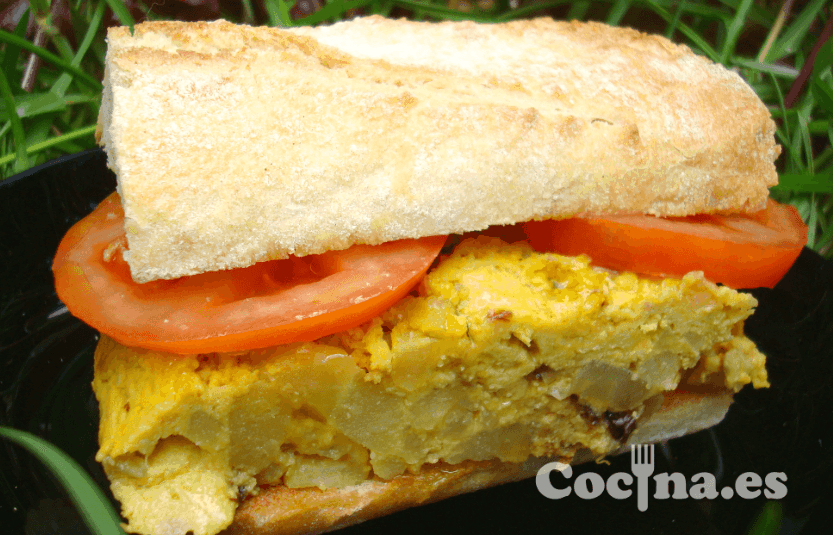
(693, 36)
(278, 13)
(792, 37)
(272, 14)
(443, 12)
(809, 67)
(578, 10)
(672, 26)
(823, 93)
(812, 223)
(382, 8)
(782, 105)
(775, 30)
(38, 130)
(530, 9)
(805, 183)
(57, 61)
(18, 134)
(90, 501)
(826, 156)
(122, 13)
(51, 142)
(283, 11)
(782, 71)
(799, 141)
(768, 521)
(734, 29)
(826, 239)
(335, 9)
(32, 105)
(12, 52)
(693, 8)
(62, 84)
(617, 11)
(824, 58)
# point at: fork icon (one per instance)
(642, 466)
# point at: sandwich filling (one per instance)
(501, 353)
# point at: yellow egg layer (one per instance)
(501, 353)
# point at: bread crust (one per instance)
(284, 511)
(234, 144)
(281, 510)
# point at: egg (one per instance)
(502, 353)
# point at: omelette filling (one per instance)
(501, 353)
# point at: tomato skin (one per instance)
(270, 303)
(742, 251)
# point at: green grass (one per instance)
(50, 94)
(55, 113)
(94, 507)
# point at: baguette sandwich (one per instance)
(356, 268)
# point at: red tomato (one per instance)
(270, 303)
(740, 251)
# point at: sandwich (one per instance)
(356, 268)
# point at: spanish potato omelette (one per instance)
(502, 353)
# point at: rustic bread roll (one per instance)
(234, 145)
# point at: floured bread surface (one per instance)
(234, 145)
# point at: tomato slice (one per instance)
(740, 251)
(270, 303)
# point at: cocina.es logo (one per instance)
(589, 485)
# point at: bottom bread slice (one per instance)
(279, 510)
(502, 354)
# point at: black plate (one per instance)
(46, 369)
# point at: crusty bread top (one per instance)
(234, 144)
